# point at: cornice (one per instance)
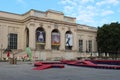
(87, 30)
(11, 13)
(50, 20)
(37, 18)
(10, 19)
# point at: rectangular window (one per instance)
(12, 41)
(90, 46)
(80, 45)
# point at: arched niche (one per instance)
(55, 39)
(27, 37)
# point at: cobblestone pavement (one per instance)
(23, 71)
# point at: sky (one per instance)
(93, 13)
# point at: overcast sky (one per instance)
(87, 12)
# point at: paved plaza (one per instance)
(23, 71)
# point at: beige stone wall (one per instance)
(49, 20)
(6, 28)
(56, 16)
(10, 15)
(87, 33)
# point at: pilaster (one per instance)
(62, 39)
(32, 36)
(48, 37)
(74, 40)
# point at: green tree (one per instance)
(108, 39)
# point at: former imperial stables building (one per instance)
(50, 35)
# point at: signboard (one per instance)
(55, 38)
(69, 40)
(40, 37)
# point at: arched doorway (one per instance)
(40, 38)
(55, 39)
(69, 40)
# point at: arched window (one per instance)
(40, 38)
(69, 40)
(55, 39)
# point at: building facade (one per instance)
(50, 35)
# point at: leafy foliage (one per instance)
(108, 38)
